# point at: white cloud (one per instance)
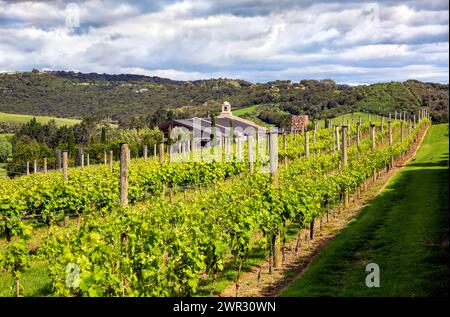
(195, 39)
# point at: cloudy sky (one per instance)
(257, 40)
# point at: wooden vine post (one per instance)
(58, 159)
(45, 165)
(401, 131)
(333, 133)
(80, 157)
(390, 142)
(273, 160)
(144, 152)
(314, 133)
(34, 166)
(88, 162)
(111, 159)
(284, 148)
(273, 150)
(105, 158)
(314, 137)
(344, 145)
(192, 148)
(28, 167)
(390, 131)
(161, 152)
(372, 136)
(336, 134)
(348, 132)
(124, 164)
(65, 166)
(358, 134)
(344, 159)
(306, 144)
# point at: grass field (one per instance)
(349, 116)
(20, 119)
(2, 170)
(244, 111)
(404, 230)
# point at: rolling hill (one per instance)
(20, 119)
(127, 97)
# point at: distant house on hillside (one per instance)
(226, 124)
(141, 90)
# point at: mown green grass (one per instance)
(5, 136)
(2, 170)
(34, 282)
(404, 230)
(244, 111)
(21, 119)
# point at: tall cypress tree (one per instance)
(103, 136)
(71, 143)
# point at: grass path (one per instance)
(404, 230)
(22, 119)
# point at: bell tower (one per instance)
(226, 108)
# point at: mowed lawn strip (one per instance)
(22, 119)
(404, 230)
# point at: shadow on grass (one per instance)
(430, 164)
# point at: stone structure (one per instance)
(201, 128)
(299, 123)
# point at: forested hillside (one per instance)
(142, 100)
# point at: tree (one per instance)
(82, 132)
(103, 136)
(26, 150)
(71, 143)
(5, 150)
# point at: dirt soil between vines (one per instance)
(269, 285)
